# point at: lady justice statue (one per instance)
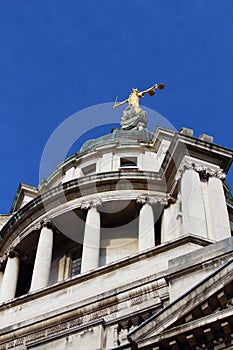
(133, 116)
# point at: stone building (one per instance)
(127, 245)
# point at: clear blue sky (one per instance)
(60, 56)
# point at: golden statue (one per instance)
(134, 97)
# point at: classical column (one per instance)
(91, 241)
(146, 232)
(218, 208)
(193, 211)
(10, 277)
(41, 270)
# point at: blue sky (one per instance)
(60, 56)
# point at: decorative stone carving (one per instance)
(96, 204)
(14, 253)
(46, 222)
(204, 170)
(163, 200)
(92, 204)
(133, 117)
(141, 199)
(85, 205)
(37, 226)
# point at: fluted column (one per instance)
(220, 222)
(91, 241)
(42, 265)
(10, 277)
(193, 211)
(146, 231)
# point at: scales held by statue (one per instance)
(133, 116)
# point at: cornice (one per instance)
(141, 180)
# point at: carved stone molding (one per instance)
(204, 170)
(141, 199)
(36, 227)
(163, 200)
(92, 204)
(129, 303)
(14, 252)
(85, 205)
(47, 222)
(96, 204)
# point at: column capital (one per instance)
(47, 222)
(15, 253)
(37, 226)
(157, 199)
(42, 264)
(141, 199)
(91, 204)
(206, 170)
(186, 164)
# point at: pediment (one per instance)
(200, 318)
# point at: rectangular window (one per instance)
(128, 162)
(90, 169)
(76, 258)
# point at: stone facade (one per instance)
(127, 245)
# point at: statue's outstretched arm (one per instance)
(152, 88)
(116, 104)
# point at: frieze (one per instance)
(58, 328)
(146, 296)
(216, 263)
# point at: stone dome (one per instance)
(119, 136)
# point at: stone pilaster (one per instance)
(193, 210)
(91, 241)
(218, 209)
(10, 277)
(42, 265)
(171, 225)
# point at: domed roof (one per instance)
(119, 136)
